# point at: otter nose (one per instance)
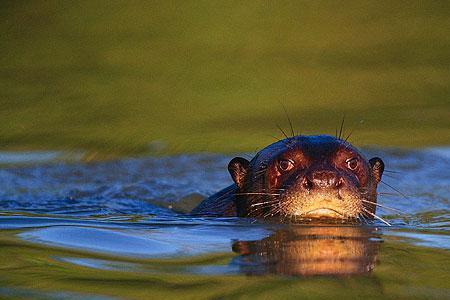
(324, 179)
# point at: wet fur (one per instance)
(261, 191)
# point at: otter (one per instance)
(301, 178)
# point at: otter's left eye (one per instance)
(352, 163)
(285, 165)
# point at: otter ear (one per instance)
(377, 168)
(238, 168)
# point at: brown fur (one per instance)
(302, 178)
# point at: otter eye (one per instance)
(285, 165)
(352, 163)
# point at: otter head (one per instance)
(307, 177)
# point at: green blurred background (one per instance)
(133, 77)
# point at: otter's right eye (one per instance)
(285, 165)
(352, 163)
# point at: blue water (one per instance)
(115, 216)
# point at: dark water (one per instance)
(117, 230)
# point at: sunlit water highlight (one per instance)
(127, 221)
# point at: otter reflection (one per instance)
(307, 251)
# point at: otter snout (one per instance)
(322, 179)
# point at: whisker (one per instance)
(362, 218)
(394, 189)
(261, 208)
(367, 220)
(364, 193)
(266, 194)
(274, 137)
(353, 130)
(383, 206)
(282, 131)
(386, 194)
(232, 193)
(284, 140)
(391, 171)
(276, 209)
(377, 217)
(227, 194)
(342, 127)
(349, 135)
(263, 203)
(288, 118)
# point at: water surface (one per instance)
(119, 229)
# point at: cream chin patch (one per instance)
(323, 212)
(323, 205)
